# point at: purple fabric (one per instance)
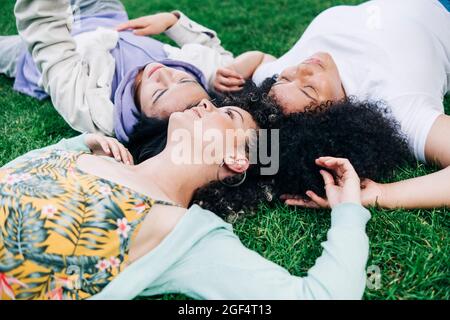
(131, 54)
(127, 114)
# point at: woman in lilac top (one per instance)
(146, 77)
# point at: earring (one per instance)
(237, 184)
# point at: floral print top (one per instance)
(64, 234)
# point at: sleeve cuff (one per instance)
(186, 30)
(349, 215)
(77, 143)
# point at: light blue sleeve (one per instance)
(72, 144)
(219, 266)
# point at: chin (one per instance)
(178, 119)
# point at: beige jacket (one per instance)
(77, 71)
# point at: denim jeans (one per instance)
(446, 4)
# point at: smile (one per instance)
(314, 61)
(197, 113)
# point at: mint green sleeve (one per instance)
(219, 266)
(72, 144)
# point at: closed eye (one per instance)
(280, 80)
(186, 80)
(160, 93)
(163, 91)
(308, 95)
(313, 90)
(232, 113)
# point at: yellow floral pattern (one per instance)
(64, 234)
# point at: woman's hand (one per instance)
(228, 80)
(106, 146)
(150, 25)
(342, 189)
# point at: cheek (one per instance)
(336, 85)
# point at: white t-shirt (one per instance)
(397, 51)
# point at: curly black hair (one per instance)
(364, 132)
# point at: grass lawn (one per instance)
(410, 247)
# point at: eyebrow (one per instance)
(234, 110)
(304, 92)
(182, 81)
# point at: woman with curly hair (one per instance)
(75, 225)
(393, 51)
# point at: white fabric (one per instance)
(10, 49)
(397, 51)
(198, 46)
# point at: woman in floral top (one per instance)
(74, 225)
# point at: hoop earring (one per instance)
(237, 184)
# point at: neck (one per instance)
(178, 182)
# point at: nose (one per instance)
(207, 105)
(165, 76)
(304, 71)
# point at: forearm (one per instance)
(247, 63)
(339, 273)
(430, 191)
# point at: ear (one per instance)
(237, 164)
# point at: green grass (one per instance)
(410, 247)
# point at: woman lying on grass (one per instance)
(75, 225)
(102, 80)
(392, 51)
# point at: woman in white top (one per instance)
(395, 51)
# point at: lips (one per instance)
(197, 113)
(152, 70)
(313, 61)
